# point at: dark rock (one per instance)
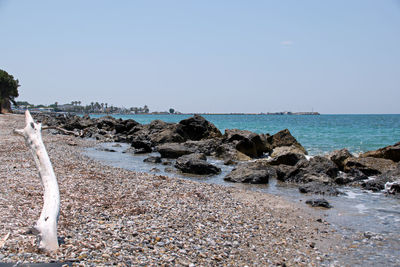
(284, 138)
(246, 174)
(173, 150)
(287, 155)
(196, 164)
(197, 128)
(339, 157)
(228, 152)
(206, 146)
(144, 145)
(393, 188)
(249, 143)
(169, 169)
(107, 123)
(106, 149)
(152, 160)
(155, 170)
(388, 152)
(286, 172)
(369, 166)
(319, 188)
(319, 202)
(320, 164)
(352, 176)
(379, 182)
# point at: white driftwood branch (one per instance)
(46, 225)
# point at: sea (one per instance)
(370, 222)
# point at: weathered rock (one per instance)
(339, 157)
(284, 138)
(316, 169)
(196, 164)
(197, 128)
(388, 152)
(245, 174)
(320, 164)
(319, 188)
(249, 143)
(319, 202)
(206, 146)
(173, 150)
(369, 166)
(227, 152)
(378, 183)
(287, 155)
(350, 177)
(144, 145)
(152, 160)
(393, 188)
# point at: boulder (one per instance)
(229, 153)
(369, 166)
(284, 138)
(249, 143)
(173, 150)
(350, 177)
(319, 202)
(319, 188)
(197, 128)
(206, 146)
(393, 188)
(388, 152)
(287, 155)
(143, 145)
(378, 183)
(316, 169)
(339, 157)
(196, 164)
(246, 174)
(152, 160)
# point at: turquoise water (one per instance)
(318, 134)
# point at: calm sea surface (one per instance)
(318, 134)
(369, 221)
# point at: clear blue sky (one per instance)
(206, 56)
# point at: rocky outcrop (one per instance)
(388, 152)
(173, 150)
(247, 174)
(249, 143)
(287, 155)
(369, 166)
(196, 164)
(284, 138)
(319, 202)
(339, 157)
(197, 128)
(319, 188)
(378, 182)
(153, 160)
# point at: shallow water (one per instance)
(370, 221)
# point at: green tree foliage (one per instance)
(171, 110)
(8, 91)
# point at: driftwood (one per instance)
(80, 134)
(46, 225)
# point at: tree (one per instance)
(146, 109)
(171, 110)
(8, 91)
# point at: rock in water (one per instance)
(284, 138)
(319, 188)
(246, 174)
(388, 152)
(319, 202)
(197, 128)
(173, 150)
(196, 164)
(339, 157)
(287, 155)
(369, 166)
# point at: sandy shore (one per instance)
(110, 215)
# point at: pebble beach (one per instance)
(112, 216)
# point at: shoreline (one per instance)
(110, 215)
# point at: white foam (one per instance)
(361, 208)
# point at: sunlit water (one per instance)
(370, 221)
